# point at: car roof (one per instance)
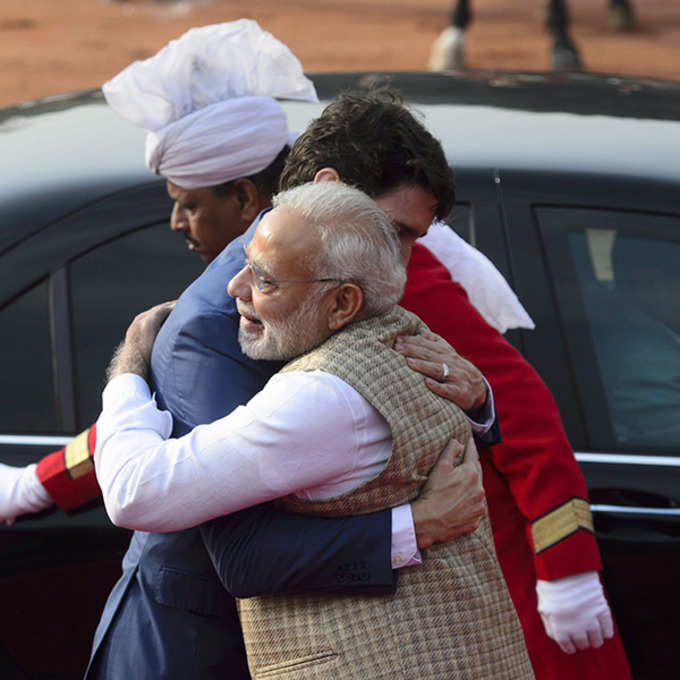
(585, 123)
(64, 152)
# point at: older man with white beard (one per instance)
(346, 428)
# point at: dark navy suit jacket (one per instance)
(169, 615)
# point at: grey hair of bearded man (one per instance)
(358, 242)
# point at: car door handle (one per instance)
(637, 525)
(636, 512)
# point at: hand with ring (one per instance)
(446, 372)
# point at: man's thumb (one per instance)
(452, 452)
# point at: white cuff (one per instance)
(405, 551)
(127, 403)
(122, 387)
(569, 592)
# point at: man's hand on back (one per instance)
(133, 355)
(452, 501)
(427, 353)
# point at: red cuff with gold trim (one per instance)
(68, 474)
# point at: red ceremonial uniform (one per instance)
(535, 491)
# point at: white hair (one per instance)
(358, 242)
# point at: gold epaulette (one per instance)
(77, 460)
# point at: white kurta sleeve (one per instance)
(297, 433)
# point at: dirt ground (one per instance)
(53, 46)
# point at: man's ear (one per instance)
(344, 306)
(249, 199)
(327, 175)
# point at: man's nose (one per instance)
(239, 286)
(178, 221)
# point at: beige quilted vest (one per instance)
(451, 617)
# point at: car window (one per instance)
(27, 397)
(619, 280)
(109, 286)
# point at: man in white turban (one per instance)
(215, 129)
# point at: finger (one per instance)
(547, 625)
(435, 339)
(567, 646)
(157, 315)
(442, 389)
(607, 624)
(419, 345)
(595, 638)
(452, 450)
(445, 463)
(459, 370)
(161, 308)
(471, 453)
(430, 369)
(450, 391)
(424, 353)
(164, 308)
(581, 640)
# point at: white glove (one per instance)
(21, 492)
(575, 612)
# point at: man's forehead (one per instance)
(176, 191)
(172, 188)
(262, 238)
(266, 245)
(409, 207)
(407, 194)
(282, 239)
(282, 228)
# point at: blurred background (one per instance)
(53, 46)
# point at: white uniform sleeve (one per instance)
(21, 492)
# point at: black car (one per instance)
(569, 183)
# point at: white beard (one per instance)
(283, 339)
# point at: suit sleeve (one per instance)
(68, 474)
(534, 458)
(262, 551)
(489, 438)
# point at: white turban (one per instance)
(207, 102)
